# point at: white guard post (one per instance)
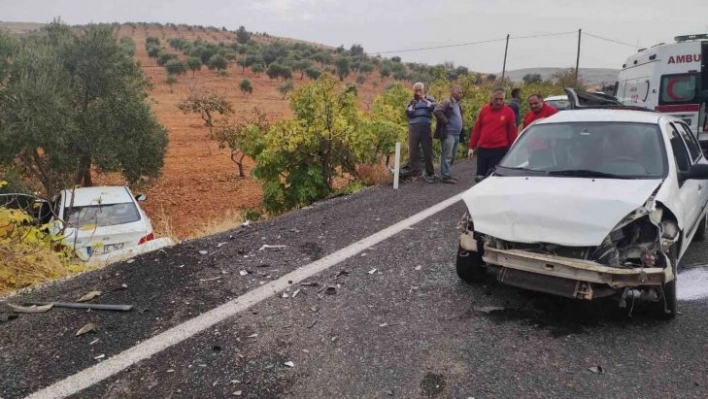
(397, 165)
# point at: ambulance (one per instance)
(670, 78)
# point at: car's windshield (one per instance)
(590, 149)
(102, 215)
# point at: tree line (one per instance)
(284, 60)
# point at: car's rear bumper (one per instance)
(131, 251)
(575, 278)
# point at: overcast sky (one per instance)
(392, 25)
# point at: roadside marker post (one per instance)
(397, 165)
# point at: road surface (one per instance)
(377, 316)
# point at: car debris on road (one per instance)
(30, 309)
(90, 327)
(597, 369)
(89, 296)
(266, 246)
(92, 306)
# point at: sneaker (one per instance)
(449, 180)
(429, 179)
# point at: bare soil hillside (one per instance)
(199, 184)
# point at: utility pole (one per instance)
(577, 58)
(504, 67)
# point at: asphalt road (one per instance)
(400, 323)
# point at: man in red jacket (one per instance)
(538, 109)
(493, 133)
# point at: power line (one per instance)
(443, 46)
(610, 40)
(543, 35)
(473, 43)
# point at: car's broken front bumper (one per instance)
(574, 278)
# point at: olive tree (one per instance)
(175, 67)
(246, 87)
(343, 67)
(194, 64)
(206, 104)
(74, 103)
(286, 88)
(171, 80)
(242, 35)
(217, 62)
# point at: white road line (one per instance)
(177, 334)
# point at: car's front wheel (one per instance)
(470, 266)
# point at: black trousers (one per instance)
(488, 158)
(420, 135)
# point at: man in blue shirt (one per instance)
(420, 118)
(449, 115)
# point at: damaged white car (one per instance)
(103, 224)
(590, 203)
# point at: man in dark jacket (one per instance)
(493, 133)
(515, 104)
(449, 115)
(420, 118)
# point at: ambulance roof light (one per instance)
(685, 38)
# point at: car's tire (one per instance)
(470, 266)
(666, 307)
(701, 231)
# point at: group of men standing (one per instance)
(494, 131)
(420, 111)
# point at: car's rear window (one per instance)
(102, 215)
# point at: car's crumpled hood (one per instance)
(560, 210)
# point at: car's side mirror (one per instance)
(696, 172)
(141, 197)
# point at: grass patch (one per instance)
(229, 221)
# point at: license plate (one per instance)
(104, 249)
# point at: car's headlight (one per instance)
(636, 241)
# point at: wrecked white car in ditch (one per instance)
(590, 203)
(102, 224)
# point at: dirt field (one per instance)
(199, 189)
